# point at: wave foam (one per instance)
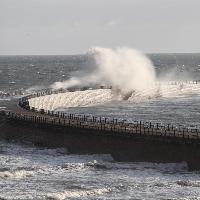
(72, 99)
(124, 68)
(99, 96)
(166, 90)
(17, 174)
(77, 194)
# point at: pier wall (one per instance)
(137, 141)
(137, 148)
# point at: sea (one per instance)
(29, 172)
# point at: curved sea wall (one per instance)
(91, 97)
(87, 135)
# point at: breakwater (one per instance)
(137, 141)
(137, 128)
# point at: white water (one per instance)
(32, 173)
(167, 90)
(124, 68)
(99, 96)
(78, 194)
(72, 99)
(15, 174)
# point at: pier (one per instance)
(136, 141)
(114, 126)
(102, 124)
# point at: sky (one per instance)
(62, 27)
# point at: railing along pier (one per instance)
(136, 128)
(82, 121)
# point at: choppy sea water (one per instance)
(28, 172)
(31, 173)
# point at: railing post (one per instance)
(183, 132)
(174, 132)
(196, 132)
(168, 127)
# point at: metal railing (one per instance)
(97, 123)
(103, 124)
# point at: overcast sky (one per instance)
(73, 26)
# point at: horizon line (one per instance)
(80, 54)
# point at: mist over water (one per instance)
(131, 74)
(123, 68)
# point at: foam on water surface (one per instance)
(100, 96)
(72, 99)
(35, 173)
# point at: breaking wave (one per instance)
(77, 194)
(72, 99)
(124, 68)
(130, 73)
(61, 176)
(100, 96)
(15, 174)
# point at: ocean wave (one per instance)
(15, 174)
(100, 96)
(187, 183)
(72, 99)
(77, 194)
(59, 176)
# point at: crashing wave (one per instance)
(99, 96)
(72, 99)
(166, 90)
(77, 194)
(15, 174)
